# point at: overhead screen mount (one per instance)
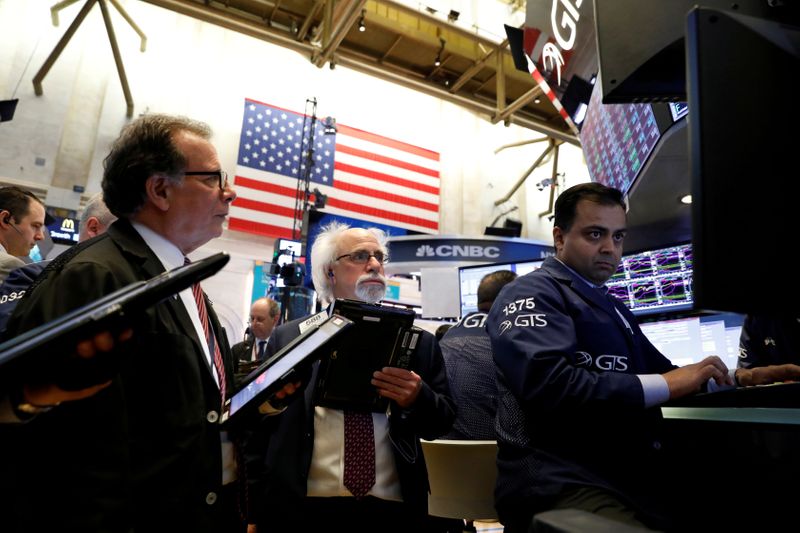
(743, 160)
(641, 44)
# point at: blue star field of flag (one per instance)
(276, 140)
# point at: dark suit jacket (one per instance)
(278, 453)
(241, 350)
(143, 454)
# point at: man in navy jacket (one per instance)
(578, 383)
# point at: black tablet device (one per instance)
(61, 335)
(381, 336)
(282, 368)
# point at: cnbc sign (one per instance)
(431, 249)
(458, 251)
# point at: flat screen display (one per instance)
(655, 281)
(617, 140)
(286, 251)
(469, 277)
(689, 340)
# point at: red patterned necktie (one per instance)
(359, 453)
(201, 309)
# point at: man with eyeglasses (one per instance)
(297, 461)
(264, 314)
(145, 453)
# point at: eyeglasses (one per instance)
(221, 175)
(362, 257)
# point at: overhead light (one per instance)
(686, 199)
(453, 15)
(361, 26)
(537, 101)
(438, 61)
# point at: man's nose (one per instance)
(228, 192)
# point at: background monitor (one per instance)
(688, 340)
(617, 140)
(64, 230)
(286, 251)
(655, 281)
(469, 277)
(743, 146)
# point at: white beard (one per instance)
(371, 292)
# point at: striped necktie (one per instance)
(201, 309)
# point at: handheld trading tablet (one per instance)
(282, 367)
(66, 331)
(381, 336)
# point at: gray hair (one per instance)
(325, 250)
(97, 208)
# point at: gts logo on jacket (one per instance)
(607, 362)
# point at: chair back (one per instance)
(462, 475)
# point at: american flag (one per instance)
(365, 176)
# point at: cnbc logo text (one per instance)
(455, 250)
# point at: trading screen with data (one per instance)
(617, 140)
(655, 281)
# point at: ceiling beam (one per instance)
(392, 47)
(254, 27)
(348, 14)
(274, 10)
(478, 66)
(301, 35)
(440, 92)
(517, 104)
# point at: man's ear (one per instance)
(157, 189)
(558, 237)
(92, 226)
(5, 217)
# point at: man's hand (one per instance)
(763, 375)
(688, 379)
(397, 384)
(48, 394)
(275, 404)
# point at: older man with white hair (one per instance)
(298, 461)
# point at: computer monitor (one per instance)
(617, 140)
(689, 339)
(640, 44)
(287, 251)
(655, 281)
(469, 277)
(743, 160)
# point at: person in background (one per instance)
(441, 330)
(468, 358)
(146, 452)
(304, 474)
(579, 385)
(22, 219)
(94, 220)
(769, 350)
(264, 314)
